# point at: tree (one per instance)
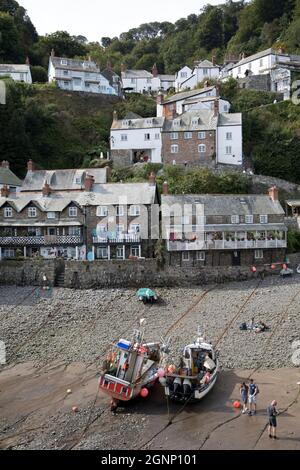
(210, 32)
(11, 49)
(39, 74)
(106, 41)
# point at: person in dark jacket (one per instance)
(272, 415)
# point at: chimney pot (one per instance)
(115, 116)
(165, 188)
(52, 53)
(5, 164)
(27, 61)
(5, 191)
(216, 107)
(46, 190)
(152, 179)
(273, 193)
(214, 60)
(123, 68)
(30, 165)
(154, 71)
(89, 183)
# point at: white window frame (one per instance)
(174, 136)
(200, 256)
(202, 135)
(66, 73)
(73, 211)
(119, 211)
(77, 81)
(235, 219)
(183, 74)
(135, 211)
(263, 219)
(228, 135)
(228, 150)
(64, 62)
(124, 137)
(258, 254)
(9, 253)
(157, 136)
(32, 212)
(102, 211)
(147, 137)
(135, 251)
(102, 250)
(120, 249)
(201, 148)
(136, 228)
(185, 256)
(249, 219)
(120, 228)
(51, 215)
(74, 231)
(8, 212)
(174, 148)
(102, 228)
(188, 135)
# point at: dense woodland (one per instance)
(59, 129)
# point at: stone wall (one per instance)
(28, 272)
(110, 274)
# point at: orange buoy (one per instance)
(273, 266)
(144, 392)
(237, 404)
(253, 269)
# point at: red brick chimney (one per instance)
(214, 60)
(30, 165)
(216, 107)
(273, 193)
(5, 191)
(165, 188)
(152, 179)
(46, 189)
(154, 71)
(89, 183)
(5, 164)
(160, 99)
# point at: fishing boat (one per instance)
(130, 369)
(195, 375)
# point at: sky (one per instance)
(95, 19)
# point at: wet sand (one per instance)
(36, 412)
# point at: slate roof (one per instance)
(9, 178)
(229, 204)
(187, 94)
(73, 64)
(143, 123)
(136, 74)
(62, 180)
(106, 194)
(230, 119)
(14, 68)
(206, 121)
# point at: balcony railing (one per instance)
(42, 240)
(122, 238)
(224, 245)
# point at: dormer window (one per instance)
(8, 212)
(32, 212)
(125, 123)
(195, 121)
(64, 62)
(149, 121)
(78, 180)
(177, 122)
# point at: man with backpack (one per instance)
(252, 396)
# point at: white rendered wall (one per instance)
(136, 141)
(236, 156)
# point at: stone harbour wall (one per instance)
(118, 274)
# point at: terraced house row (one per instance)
(80, 215)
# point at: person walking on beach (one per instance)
(252, 395)
(244, 395)
(272, 414)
